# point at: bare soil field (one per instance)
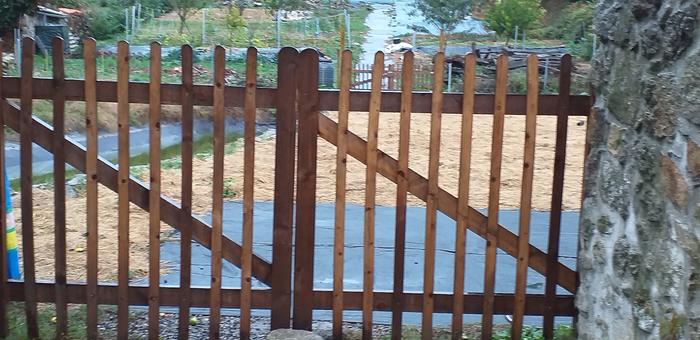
(264, 188)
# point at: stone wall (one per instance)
(639, 257)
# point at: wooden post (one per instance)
(91, 187)
(492, 228)
(25, 131)
(307, 104)
(463, 193)
(557, 195)
(217, 193)
(123, 218)
(59, 173)
(370, 191)
(248, 190)
(340, 187)
(526, 195)
(284, 187)
(397, 304)
(431, 202)
(154, 193)
(187, 96)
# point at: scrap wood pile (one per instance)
(549, 57)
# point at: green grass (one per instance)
(47, 325)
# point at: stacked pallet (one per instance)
(549, 57)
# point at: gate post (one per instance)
(308, 105)
(285, 119)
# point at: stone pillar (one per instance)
(639, 257)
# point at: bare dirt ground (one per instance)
(264, 188)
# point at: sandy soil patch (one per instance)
(264, 178)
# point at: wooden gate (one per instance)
(300, 122)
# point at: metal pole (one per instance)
(18, 48)
(126, 23)
(546, 73)
(414, 40)
(204, 25)
(347, 27)
(133, 20)
(449, 77)
(515, 44)
(524, 37)
(279, 39)
(318, 27)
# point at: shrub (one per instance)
(504, 16)
(105, 22)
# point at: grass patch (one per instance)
(77, 318)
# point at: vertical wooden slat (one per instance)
(59, 175)
(306, 189)
(248, 190)
(4, 291)
(397, 302)
(463, 192)
(154, 193)
(217, 193)
(431, 203)
(123, 189)
(25, 131)
(557, 192)
(91, 219)
(494, 195)
(284, 188)
(533, 89)
(340, 186)
(370, 191)
(186, 187)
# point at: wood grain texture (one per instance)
(401, 194)
(123, 188)
(285, 136)
(91, 195)
(59, 175)
(340, 187)
(533, 89)
(431, 202)
(306, 189)
(217, 193)
(154, 110)
(25, 141)
(187, 95)
(370, 192)
(248, 190)
(557, 193)
(463, 192)
(492, 227)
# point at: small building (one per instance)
(46, 23)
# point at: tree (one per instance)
(504, 16)
(184, 8)
(444, 14)
(234, 21)
(11, 11)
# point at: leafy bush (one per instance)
(504, 16)
(573, 23)
(105, 22)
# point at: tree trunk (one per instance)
(183, 19)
